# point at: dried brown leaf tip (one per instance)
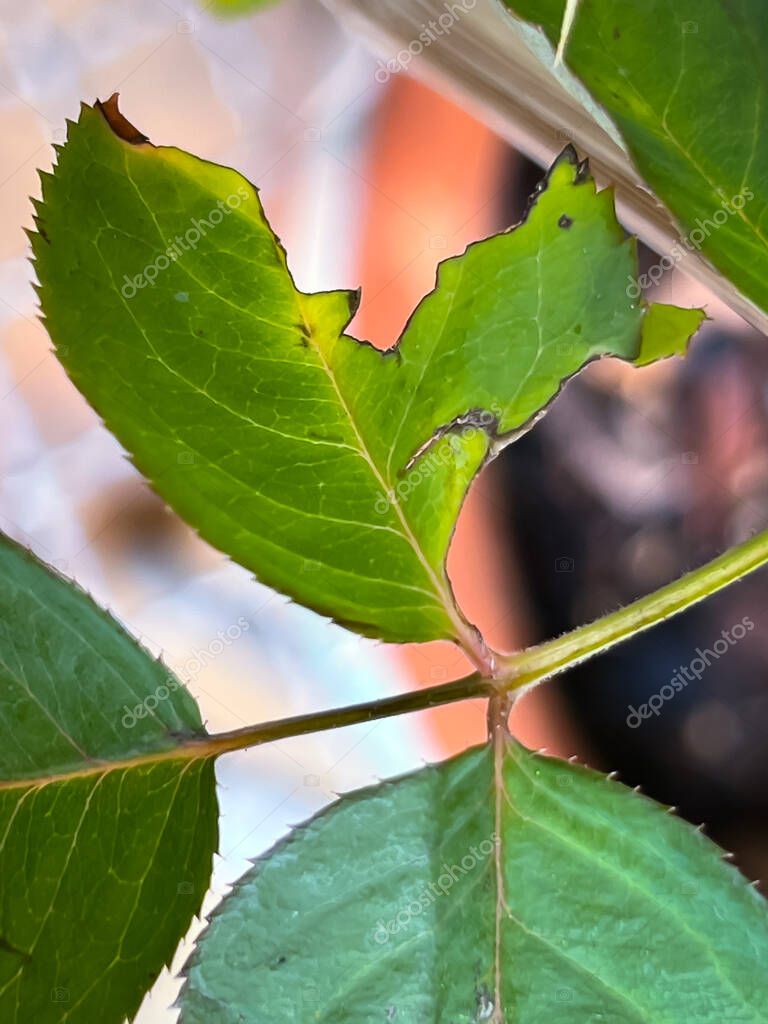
(119, 124)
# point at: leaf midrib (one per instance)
(241, 483)
(589, 854)
(441, 589)
(190, 749)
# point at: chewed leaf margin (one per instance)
(356, 532)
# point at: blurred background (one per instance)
(371, 179)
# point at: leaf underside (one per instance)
(103, 863)
(399, 904)
(333, 471)
(686, 86)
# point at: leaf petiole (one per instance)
(524, 669)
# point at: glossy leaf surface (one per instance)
(685, 84)
(332, 470)
(106, 837)
(498, 886)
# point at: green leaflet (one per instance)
(103, 862)
(686, 85)
(386, 908)
(333, 471)
(233, 8)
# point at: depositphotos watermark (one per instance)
(191, 667)
(198, 228)
(430, 33)
(447, 879)
(685, 674)
(691, 242)
(441, 454)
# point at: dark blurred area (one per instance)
(631, 480)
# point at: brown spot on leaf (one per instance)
(565, 221)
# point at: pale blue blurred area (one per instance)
(287, 99)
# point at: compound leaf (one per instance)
(106, 836)
(334, 471)
(685, 84)
(498, 886)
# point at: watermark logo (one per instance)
(692, 242)
(448, 877)
(442, 25)
(199, 228)
(449, 449)
(191, 667)
(685, 674)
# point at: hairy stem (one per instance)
(320, 721)
(524, 669)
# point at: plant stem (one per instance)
(196, 748)
(512, 673)
(320, 721)
(525, 668)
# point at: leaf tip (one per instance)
(667, 331)
(567, 162)
(118, 122)
(33, 234)
(353, 298)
